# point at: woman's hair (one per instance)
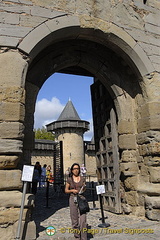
(74, 164)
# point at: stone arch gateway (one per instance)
(116, 43)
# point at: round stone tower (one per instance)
(69, 129)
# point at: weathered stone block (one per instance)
(143, 149)
(152, 29)
(7, 161)
(10, 61)
(154, 174)
(149, 188)
(143, 169)
(147, 137)
(14, 30)
(152, 83)
(12, 111)
(32, 39)
(10, 199)
(129, 169)
(9, 41)
(45, 13)
(129, 156)
(126, 208)
(154, 148)
(55, 24)
(127, 141)
(121, 15)
(149, 123)
(154, 135)
(132, 198)
(155, 122)
(126, 127)
(141, 197)
(12, 94)
(143, 179)
(149, 149)
(9, 18)
(29, 228)
(30, 21)
(11, 215)
(152, 202)
(26, 2)
(140, 159)
(140, 58)
(10, 179)
(138, 211)
(142, 138)
(152, 161)
(131, 183)
(8, 230)
(153, 214)
(143, 125)
(150, 49)
(11, 130)
(16, 8)
(10, 146)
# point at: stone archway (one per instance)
(83, 56)
(120, 64)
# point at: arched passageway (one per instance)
(117, 88)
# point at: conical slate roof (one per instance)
(69, 113)
(68, 119)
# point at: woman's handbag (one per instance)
(82, 204)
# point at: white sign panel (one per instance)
(27, 173)
(100, 189)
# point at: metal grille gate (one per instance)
(106, 143)
(58, 163)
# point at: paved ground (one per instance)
(57, 215)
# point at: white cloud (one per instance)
(88, 135)
(47, 111)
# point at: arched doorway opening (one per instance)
(118, 82)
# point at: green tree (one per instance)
(41, 133)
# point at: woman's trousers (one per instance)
(78, 221)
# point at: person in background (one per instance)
(67, 173)
(73, 185)
(49, 176)
(36, 177)
(40, 171)
(83, 170)
(43, 175)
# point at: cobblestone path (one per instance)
(57, 215)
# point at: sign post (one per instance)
(27, 175)
(101, 189)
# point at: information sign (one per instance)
(100, 189)
(27, 173)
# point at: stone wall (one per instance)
(43, 159)
(132, 30)
(73, 147)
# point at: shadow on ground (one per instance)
(47, 206)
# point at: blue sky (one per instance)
(56, 92)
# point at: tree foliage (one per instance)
(41, 133)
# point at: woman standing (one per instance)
(73, 186)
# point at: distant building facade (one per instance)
(69, 129)
(44, 153)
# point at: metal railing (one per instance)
(58, 185)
